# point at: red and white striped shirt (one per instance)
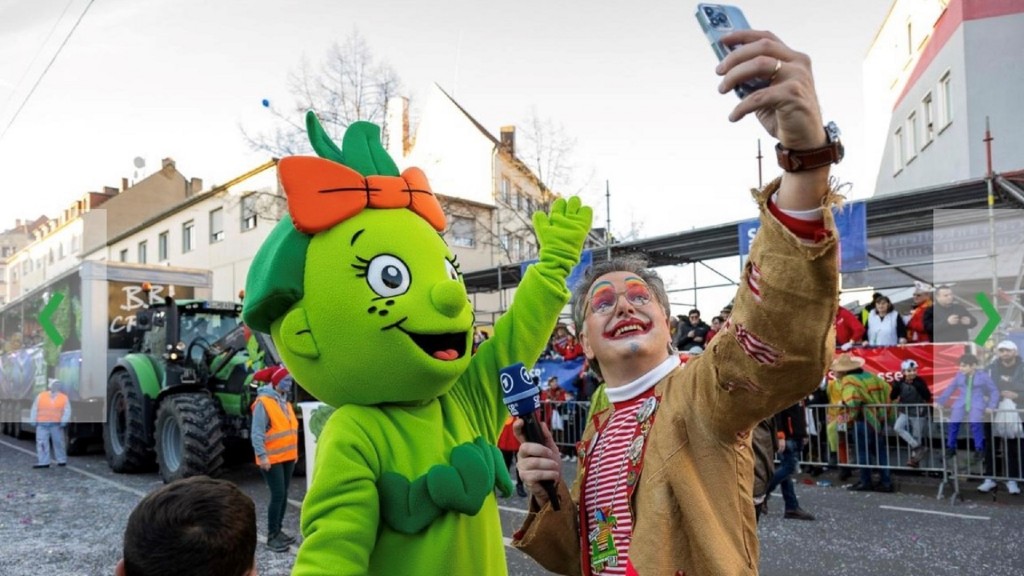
(605, 487)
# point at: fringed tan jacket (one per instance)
(691, 508)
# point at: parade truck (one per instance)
(153, 368)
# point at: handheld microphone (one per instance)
(522, 398)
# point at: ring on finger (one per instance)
(775, 71)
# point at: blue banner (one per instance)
(567, 372)
(578, 271)
(851, 221)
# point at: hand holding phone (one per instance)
(718, 20)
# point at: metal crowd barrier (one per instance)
(915, 438)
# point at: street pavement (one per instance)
(70, 522)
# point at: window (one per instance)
(505, 190)
(123, 257)
(76, 242)
(897, 151)
(910, 39)
(161, 245)
(519, 198)
(945, 101)
(216, 225)
(463, 232)
(51, 256)
(248, 212)
(188, 236)
(60, 251)
(928, 110)
(142, 252)
(503, 241)
(911, 136)
(518, 251)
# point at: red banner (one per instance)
(937, 364)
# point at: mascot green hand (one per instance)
(369, 311)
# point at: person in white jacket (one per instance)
(885, 325)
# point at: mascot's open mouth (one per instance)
(447, 347)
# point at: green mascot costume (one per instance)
(366, 304)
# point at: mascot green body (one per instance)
(369, 311)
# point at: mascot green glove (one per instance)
(366, 304)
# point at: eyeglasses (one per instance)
(604, 297)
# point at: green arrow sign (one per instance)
(993, 319)
(46, 316)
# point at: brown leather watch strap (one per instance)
(801, 160)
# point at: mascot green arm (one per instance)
(522, 332)
(340, 518)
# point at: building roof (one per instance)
(894, 213)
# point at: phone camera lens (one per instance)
(716, 18)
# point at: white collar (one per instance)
(643, 383)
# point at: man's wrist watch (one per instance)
(800, 160)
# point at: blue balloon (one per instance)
(266, 103)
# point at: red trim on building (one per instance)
(957, 12)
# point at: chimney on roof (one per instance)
(396, 124)
(124, 184)
(195, 186)
(167, 162)
(110, 191)
(508, 139)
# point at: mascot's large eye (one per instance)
(388, 276)
(453, 272)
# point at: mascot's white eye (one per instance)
(388, 276)
(453, 272)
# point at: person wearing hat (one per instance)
(275, 441)
(916, 333)
(911, 391)
(1007, 371)
(861, 391)
(51, 412)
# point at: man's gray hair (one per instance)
(636, 264)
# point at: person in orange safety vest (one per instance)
(51, 412)
(275, 441)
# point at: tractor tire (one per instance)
(124, 432)
(189, 437)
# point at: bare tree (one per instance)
(349, 85)
(547, 149)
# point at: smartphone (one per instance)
(717, 20)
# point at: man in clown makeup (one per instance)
(666, 469)
(366, 304)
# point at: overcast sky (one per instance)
(633, 82)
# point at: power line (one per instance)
(47, 69)
(39, 51)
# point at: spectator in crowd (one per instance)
(866, 310)
(947, 320)
(51, 412)
(849, 329)
(976, 396)
(862, 392)
(509, 445)
(479, 336)
(1007, 372)
(275, 441)
(916, 332)
(911, 391)
(791, 432)
(716, 327)
(695, 421)
(196, 527)
(694, 334)
(565, 344)
(726, 313)
(885, 326)
(554, 399)
(765, 446)
(838, 421)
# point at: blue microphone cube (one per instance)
(520, 390)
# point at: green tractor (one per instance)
(181, 397)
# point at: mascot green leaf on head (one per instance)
(369, 311)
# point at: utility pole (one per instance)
(608, 219)
(760, 181)
(989, 177)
